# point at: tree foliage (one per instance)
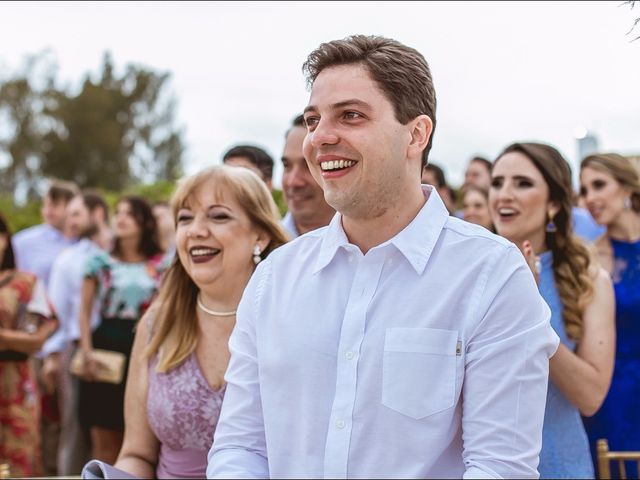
(114, 132)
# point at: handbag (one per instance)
(110, 365)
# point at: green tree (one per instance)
(24, 97)
(116, 132)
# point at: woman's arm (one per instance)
(88, 295)
(584, 376)
(25, 342)
(139, 453)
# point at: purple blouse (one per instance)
(183, 412)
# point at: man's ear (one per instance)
(421, 129)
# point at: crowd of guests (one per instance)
(160, 285)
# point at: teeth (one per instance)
(506, 211)
(203, 251)
(335, 164)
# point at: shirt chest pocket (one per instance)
(419, 370)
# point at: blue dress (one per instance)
(565, 446)
(618, 420)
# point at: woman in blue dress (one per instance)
(530, 201)
(611, 188)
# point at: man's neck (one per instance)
(303, 226)
(102, 238)
(367, 233)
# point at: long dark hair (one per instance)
(141, 212)
(8, 259)
(571, 258)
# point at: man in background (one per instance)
(253, 158)
(478, 173)
(87, 218)
(36, 247)
(308, 209)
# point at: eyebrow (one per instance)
(336, 106)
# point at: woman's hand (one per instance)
(532, 259)
(90, 366)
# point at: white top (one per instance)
(425, 358)
(65, 291)
(289, 225)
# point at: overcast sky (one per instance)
(502, 71)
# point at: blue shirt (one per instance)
(37, 247)
(584, 226)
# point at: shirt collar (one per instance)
(416, 241)
(290, 225)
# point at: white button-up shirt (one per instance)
(65, 292)
(426, 357)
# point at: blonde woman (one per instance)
(610, 186)
(530, 201)
(226, 223)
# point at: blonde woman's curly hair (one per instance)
(572, 260)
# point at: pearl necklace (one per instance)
(213, 312)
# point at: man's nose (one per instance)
(324, 134)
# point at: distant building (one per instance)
(587, 144)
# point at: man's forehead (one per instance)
(335, 86)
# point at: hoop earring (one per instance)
(256, 254)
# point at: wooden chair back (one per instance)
(605, 457)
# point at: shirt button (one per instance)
(340, 424)
(349, 355)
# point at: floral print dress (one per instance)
(126, 290)
(23, 306)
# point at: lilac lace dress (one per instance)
(183, 412)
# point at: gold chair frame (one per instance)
(605, 457)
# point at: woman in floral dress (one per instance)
(26, 321)
(126, 281)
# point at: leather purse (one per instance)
(110, 365)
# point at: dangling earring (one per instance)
(627, 203)
(551, 226)
(256, 254)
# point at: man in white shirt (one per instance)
(87, 218)
(398, 342)
(307, 208)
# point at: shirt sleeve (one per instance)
(95, 263)
(60, 297)
(239, 446)
(506, 373)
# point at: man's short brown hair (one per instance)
(62, 191)
(401, 72)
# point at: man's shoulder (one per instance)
(75, 253)
(304, 243)
(475, 234)
(31, 233)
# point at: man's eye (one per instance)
(352, 115)
(311, 121)
(496, 183)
